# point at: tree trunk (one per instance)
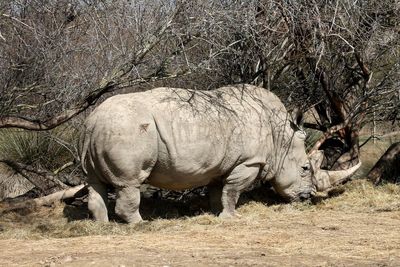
(340, 146)
(388, 166)
(72, 192)
(44, 181)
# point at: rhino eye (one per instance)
(306, 167)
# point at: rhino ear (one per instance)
(297, 119)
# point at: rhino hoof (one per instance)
(229, 215)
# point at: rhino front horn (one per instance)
(326, 179)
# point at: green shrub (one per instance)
(48, 150)
(312, 137)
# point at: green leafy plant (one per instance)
(48, 150)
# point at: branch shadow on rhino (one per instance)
(161, 204)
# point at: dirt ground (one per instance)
(299, 239)
(358, 225)
(303, 238)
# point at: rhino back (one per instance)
(204, 135)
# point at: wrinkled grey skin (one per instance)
(179, 139)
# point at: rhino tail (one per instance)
(84, 142)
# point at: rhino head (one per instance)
(293, 174)
(298, 176)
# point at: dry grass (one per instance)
(355, 225)
(46, 222)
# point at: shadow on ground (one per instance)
(157, 207)
(172, 205)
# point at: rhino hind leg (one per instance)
(97, 202)
(215, 194)
(239, 179)
(127, 204)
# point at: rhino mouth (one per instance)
(301, 196)
(305, 196)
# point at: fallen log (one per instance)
(388, 166)
(73, 192)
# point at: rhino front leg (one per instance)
(238, 180)
(97, 202)
(127, 204)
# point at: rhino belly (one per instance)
(181, 179)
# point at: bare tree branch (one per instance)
(45, 177)
(107, 84)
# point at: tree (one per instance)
(64, 55)
(387, 168)
(339, 60)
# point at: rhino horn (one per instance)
(326, 179)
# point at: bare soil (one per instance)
(356, 225)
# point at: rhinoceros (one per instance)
(179, 139)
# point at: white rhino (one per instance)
(178, 139)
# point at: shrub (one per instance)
(48, 150)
